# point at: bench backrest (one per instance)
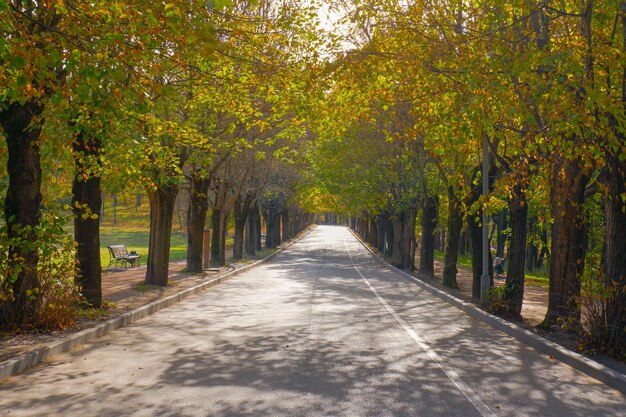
(118, 251)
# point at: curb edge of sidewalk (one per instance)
(577, 361)
(25, 361)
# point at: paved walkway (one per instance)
(125, 289)
(322, 330)
(533, 310)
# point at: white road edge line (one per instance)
(472, 397)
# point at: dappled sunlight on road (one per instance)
(303, 335)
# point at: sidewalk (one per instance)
(126, 290)
(131, 299)
(533, 309)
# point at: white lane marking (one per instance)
(472, 397)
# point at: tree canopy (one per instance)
(373, 110)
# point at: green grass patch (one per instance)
(132, 228)
(463, 260)
(90, 313)
(137, 240)
(537, 278)
(143, 288)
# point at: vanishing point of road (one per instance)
(322, 330)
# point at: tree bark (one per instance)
(252, 235)
(453, 236)
(162, 201)
(380, 229)
(86, 201)
(373, 231)
(259, 229)
(388, 244)
(408, 239)
(243, 206)
(515, 273)
(615, 223)
(240, 228)
(286, 226)
(567, 197)
(22, 209)
(476, 243)
(272, 232)
(429, 224)
(218, 238)
(396, 245)
(615, 250)
(196, 220)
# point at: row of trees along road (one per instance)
(144, 94)
(229, 96)
(406, 104)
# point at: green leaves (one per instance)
(17, 62)
(218, 4)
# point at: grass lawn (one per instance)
(132, 229)
(137, 240)
(463, 260)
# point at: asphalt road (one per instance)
(323, 330)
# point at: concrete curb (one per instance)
(577, 361)
(19, 364)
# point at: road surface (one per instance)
(322, 330)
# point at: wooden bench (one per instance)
(119, 256)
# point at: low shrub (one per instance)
(55, 295)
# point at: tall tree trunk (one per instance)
(162, 201)
(568, 181)
(380, 228)
(453, 236)
(216, 230)
(196, 219)
(272, 232)
(276, 237)
(615, 222)
(243, 206)
(476, 243)
(218, 251)
(22, 209)
(252, 236)
(474, 228)
(373, 234)
(396, 245)
(240, 228)
(388, 244)
(408, 238)
(86, 201)
(286, 232)
(615, 254)
(430, 209)
(259, 228)
(515, 273)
